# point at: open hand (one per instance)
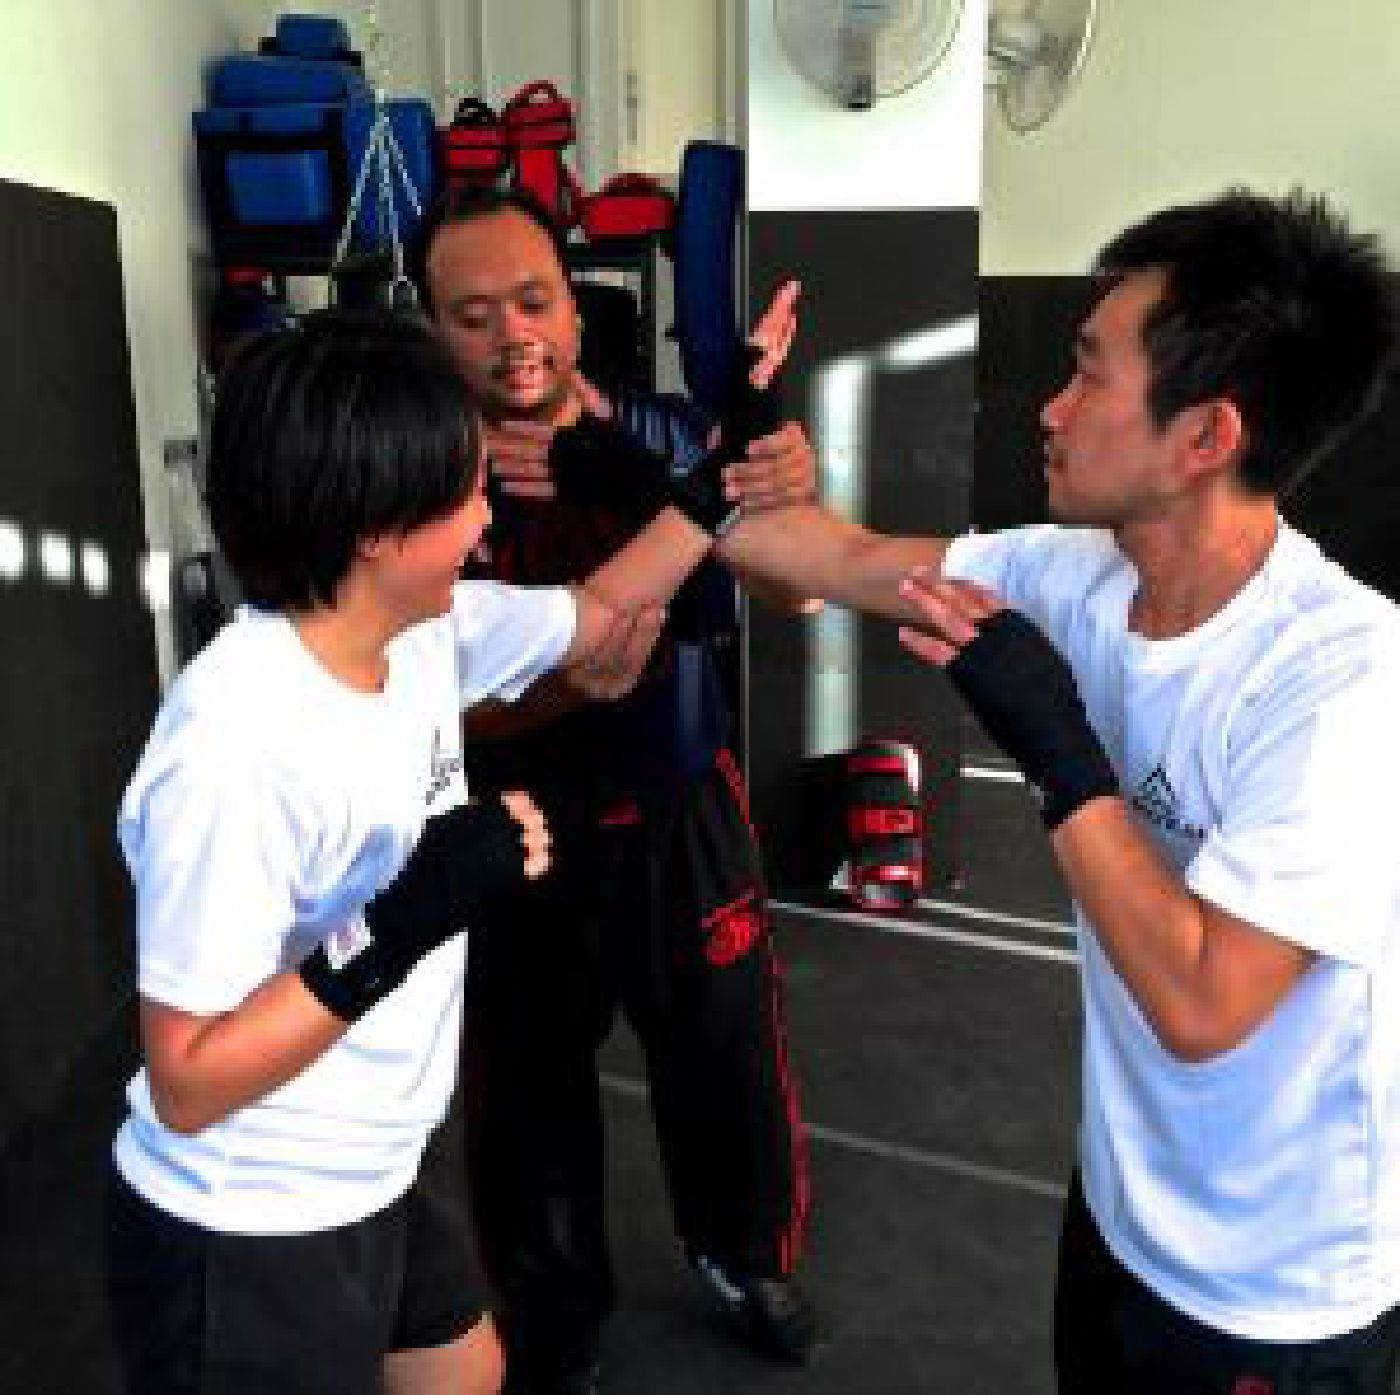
(517, 455)
(611, 669)
(774, 332)
(776, 470)
(593, 403)
(949, 613)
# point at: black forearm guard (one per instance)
(1023, 694)
(466, 861)
(749, 413)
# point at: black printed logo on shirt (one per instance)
(442, 766)
(1157, 802)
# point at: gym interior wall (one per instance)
(78, 687)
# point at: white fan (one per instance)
(858, 50)
(1035, 50)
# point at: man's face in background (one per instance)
(504, 308)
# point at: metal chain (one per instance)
(384, 156)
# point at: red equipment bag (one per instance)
(474, 147)
(628, 205)
(539, 123)
(884, 824)
(539, 115)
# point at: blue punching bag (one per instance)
(709, 204)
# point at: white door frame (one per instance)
(461, 32)
(733, 49)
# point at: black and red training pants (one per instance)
(657, 908)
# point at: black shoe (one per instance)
(577, 1379)
(548, 1366)
(773, 1314)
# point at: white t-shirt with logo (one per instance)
(1258, 1191)
(271, 802)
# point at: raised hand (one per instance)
(773, 333)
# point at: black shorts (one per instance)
(1114, 1336)
(196, 1310)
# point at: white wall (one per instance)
(96, 101)
(1182, 97)
(675, 52)
(918, 150)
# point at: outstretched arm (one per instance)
(810, 551)
(806, 550)
(800, 552)
(783, 544)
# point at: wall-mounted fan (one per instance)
(1035, 50)
(858, 50)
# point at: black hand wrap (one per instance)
(749, 412)
(675, 435)
(1023, 694)
(466, 861)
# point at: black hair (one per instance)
(1273, 303)
(466, 205)
(346, 426)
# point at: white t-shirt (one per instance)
(1258, 1191)
(270, 804)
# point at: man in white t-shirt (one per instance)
(1207, 706)
(305, 861)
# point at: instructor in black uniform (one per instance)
(657, 901)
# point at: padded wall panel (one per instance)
(78, 680)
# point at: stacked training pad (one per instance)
(281, 142)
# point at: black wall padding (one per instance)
(1026, 333)
(78, 679)
(871, 278)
